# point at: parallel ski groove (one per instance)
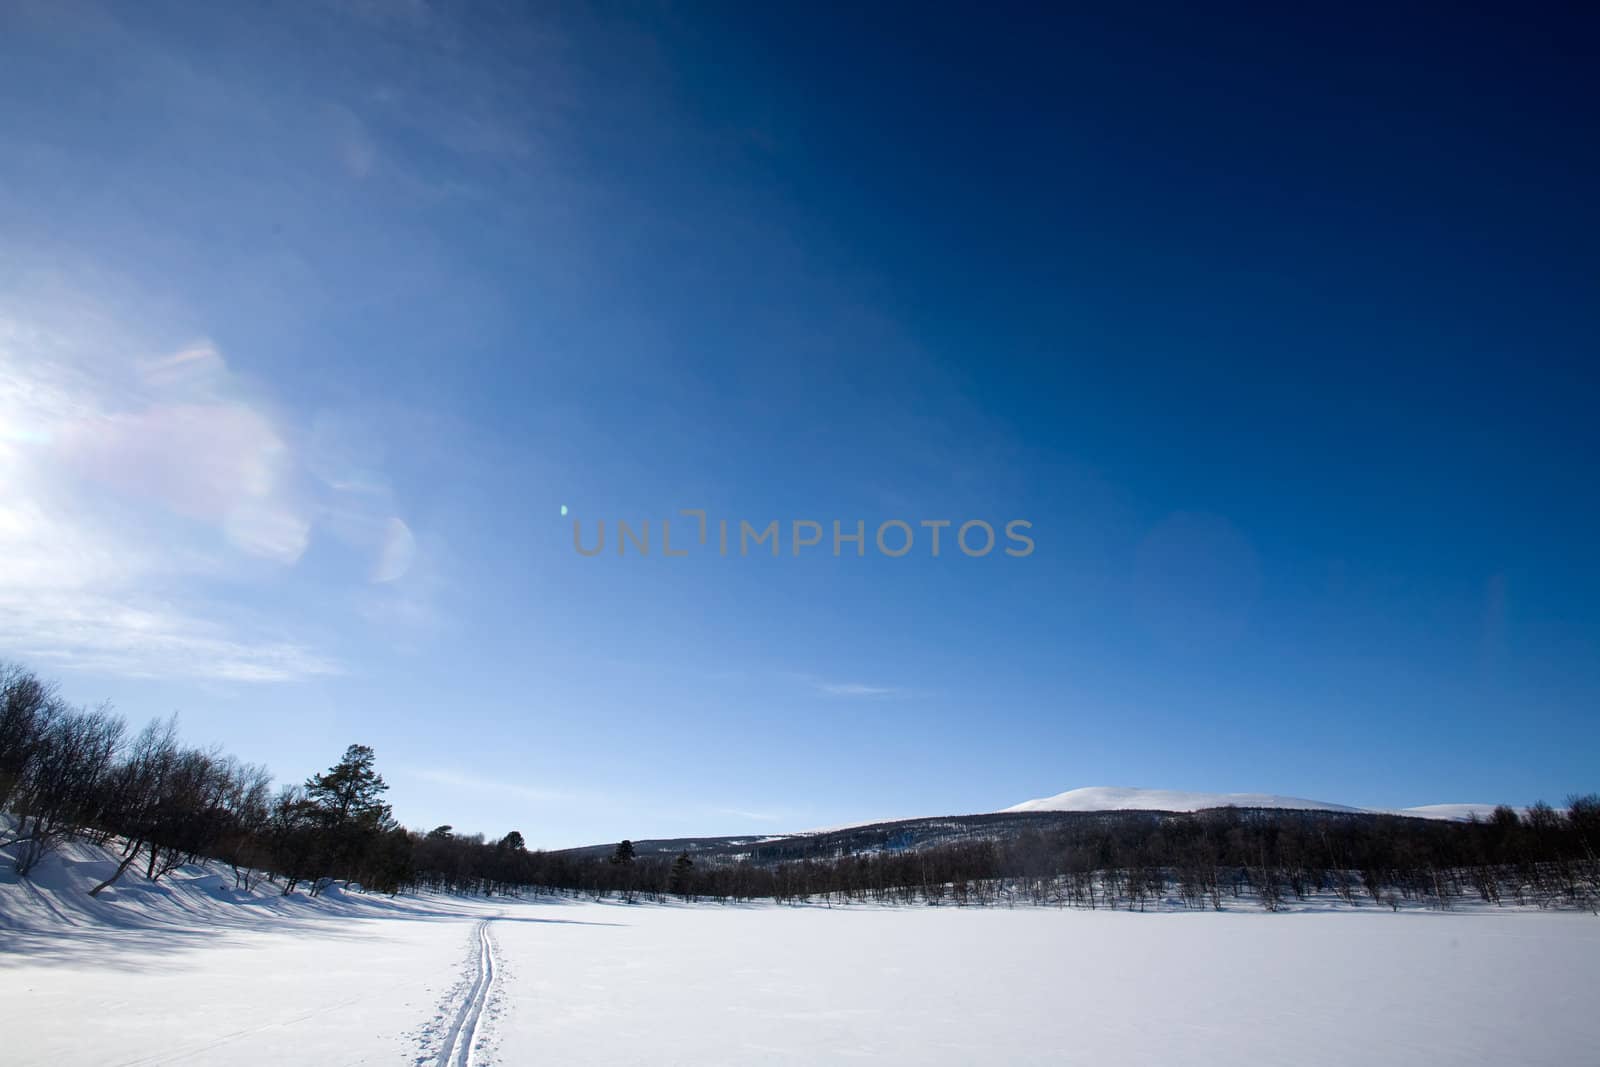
(463, 1033)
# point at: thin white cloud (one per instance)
(129, 483)
(857, 689)
(753, 816)
(477, 784)
(833, 688)
(132, 637)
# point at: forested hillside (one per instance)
(69, 772)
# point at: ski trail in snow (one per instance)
(463, 1032)
(174, 1055)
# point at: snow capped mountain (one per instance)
(1116, 798)
(1453, 812)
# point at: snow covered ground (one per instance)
(923, 985)
(190, 971)
(194, 973)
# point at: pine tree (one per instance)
(350, 789)
(679, 880)
(624, 853)
(347, 802)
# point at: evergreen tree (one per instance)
(679, 881)
(347, 801)
(350, 790)
(624, 853)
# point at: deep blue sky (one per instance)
(1279, 328)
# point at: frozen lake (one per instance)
(178, 975)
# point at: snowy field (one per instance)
(193, 973)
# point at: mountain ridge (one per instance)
(1124, 798)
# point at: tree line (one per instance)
(1138, 859)
(68, 772)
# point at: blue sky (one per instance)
(1280, 331)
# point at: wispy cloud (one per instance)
(835, 688)
(753, 816)
(134, 637)
(857, 689)
(131, 485)
(477, 784)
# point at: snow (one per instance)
(1114, 798)
(1119, 798)
(705, 985)
(192, 972)
(1452, 812)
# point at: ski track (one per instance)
(464, 1027)
(174, 1055)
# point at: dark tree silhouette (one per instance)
(681, 881)
(347, 801)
